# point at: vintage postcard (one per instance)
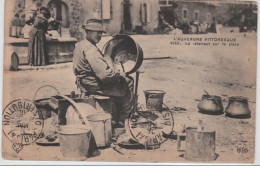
(130, 81)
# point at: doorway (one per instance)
(59, 11)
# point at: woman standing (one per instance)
(36, 47)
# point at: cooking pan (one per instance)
(124, 52)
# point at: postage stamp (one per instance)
(21, 123)
(150, 127)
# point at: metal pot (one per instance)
(44, 107)
(103, 103)
(238, 107)
(125, 52)
(210, 104)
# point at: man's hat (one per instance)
(46, 12)
(94, 25)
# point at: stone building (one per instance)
(178, 12)
(119, 16)
(199, 12)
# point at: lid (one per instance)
(211, 97)
(73, 129)
(126, 54)
(42, 102)
(99, 117)
(99, 97)
(238, 98)
(154, 91)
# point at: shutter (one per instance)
(106, 9)
(143, 13)
(148, 13)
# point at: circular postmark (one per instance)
(149, 127)
(21, 123)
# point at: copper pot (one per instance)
(210, 104)
(238, 107)
(128, 49)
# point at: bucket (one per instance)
(43, 101)
(200, 145)
(74, 140)
(104, 103)
(101, 128)
(154, 99)
(44, 108)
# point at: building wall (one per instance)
(93, 9)
(14, 16)
(81, 10)
(152, 9)
(113, 25)
(202, 8)
(76, 16)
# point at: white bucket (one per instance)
(101, 128)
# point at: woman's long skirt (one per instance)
(36, 48)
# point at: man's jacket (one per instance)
(94, 73)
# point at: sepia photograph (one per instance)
(129, 81)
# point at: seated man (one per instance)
(95, 74)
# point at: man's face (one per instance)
(94, 36)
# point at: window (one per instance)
(208, 18)
(196, 15)
(162, 2)
(185, 13)
(170, 2)
(145, 12)
(166, 3)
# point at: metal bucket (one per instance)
(104, 103)
(43, 103)
(74, 140)
(101, 128)
(44, 108)
(154, 99)
(200, 145)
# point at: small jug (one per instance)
(238, 107)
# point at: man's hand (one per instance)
(122, 74)
(119, 70)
